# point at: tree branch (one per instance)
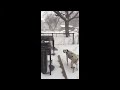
(74, 16)
(59, 14)
(77, 17)
(71, 12)
(67, 15)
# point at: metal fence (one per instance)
(60, 38)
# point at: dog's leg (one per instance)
(76, 66)
(71, 64)
(67, 59)
(73, 69)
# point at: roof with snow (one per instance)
(64, 25)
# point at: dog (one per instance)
(73, 57)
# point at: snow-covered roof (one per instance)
(64, 25)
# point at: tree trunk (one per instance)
(67, 28)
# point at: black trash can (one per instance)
(43, 61)
(45, 50)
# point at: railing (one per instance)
(60, 38)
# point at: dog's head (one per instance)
(65, 50)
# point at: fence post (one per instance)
(50, 61)
(73, 38)
(52, 34)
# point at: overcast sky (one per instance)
(43, 14)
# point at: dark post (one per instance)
(53, 45)
(50, 61)
(73, 38)
(52, 34)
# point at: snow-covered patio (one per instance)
(57, 72)
(61, 43)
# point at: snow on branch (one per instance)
(59, 14)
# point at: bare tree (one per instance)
(52, 21)
(67, 16)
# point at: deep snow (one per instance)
(57, 72)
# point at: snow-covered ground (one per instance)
(57, 72)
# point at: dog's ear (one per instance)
(67, 50)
